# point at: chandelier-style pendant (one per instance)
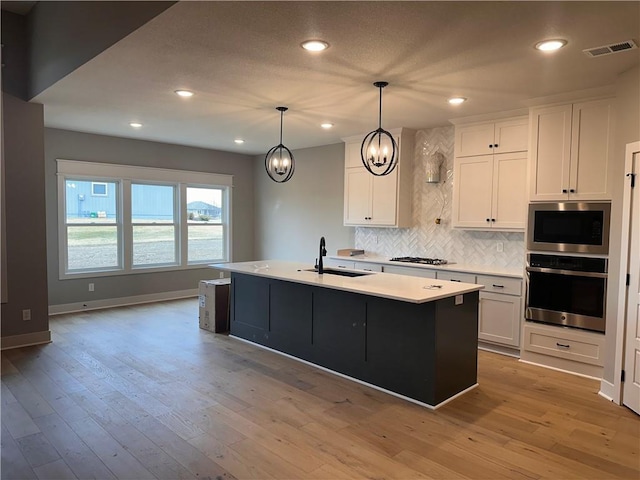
(379, 151)
(279, 161)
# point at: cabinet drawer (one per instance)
(584, 347)
(368, 267)
(333, 262)
(414, 272)
(509, 286)
(456, 277)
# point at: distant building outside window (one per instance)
(99, 189)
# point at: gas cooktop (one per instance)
(421, 260)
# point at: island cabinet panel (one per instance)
(397, 361)
(339, 323)
(250, 308)
(290, 313)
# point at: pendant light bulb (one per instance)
(379, 151)
(279, 162)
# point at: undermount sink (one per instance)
(343, 273)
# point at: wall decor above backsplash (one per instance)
(432, 201)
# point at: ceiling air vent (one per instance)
(609, 49)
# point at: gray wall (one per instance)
(26, 265)
(55, 27)
(63, 144)
(291, 217)
(627, 131)
(14, 55)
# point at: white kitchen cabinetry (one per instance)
(379, 201)
(456, 277)
(577, 351)
(505, 136)
(571, 151)
(351, 265)
(489, 192)
(500, 310)
(414, 272)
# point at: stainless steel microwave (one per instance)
(579, 227)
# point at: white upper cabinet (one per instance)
(379, 201)
(489, 192)
(571, 151)
(489, 188)
(496, 137)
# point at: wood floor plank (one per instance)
(76, 454)
(184, 403)
(57, 470)
(13, 465)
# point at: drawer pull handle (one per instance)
(367, 270)
(497, 286)
(454, 280)
(562, 345)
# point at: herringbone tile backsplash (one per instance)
(431, 201)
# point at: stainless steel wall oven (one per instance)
(564, 290)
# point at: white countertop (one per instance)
(387, 285)
(450, 267)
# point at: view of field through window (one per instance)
(93, 223)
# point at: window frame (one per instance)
(124, 176)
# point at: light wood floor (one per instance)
(142, 392)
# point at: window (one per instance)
(92, 227)
(98, 189)
(153, 222)
(122, 219)
(205, 229)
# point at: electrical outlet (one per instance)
(221, 274)
(375, 239)
(26, 314)
(499, 247)
(91, 287)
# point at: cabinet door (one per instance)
(499, 319)
(472, 192)
(509, 201)
(384, 199)
(471, 140)
(591, 144)
(357, 196)
(550, 152)
(352, 155)
(511, 136)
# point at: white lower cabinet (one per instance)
(577, 351)
(351, 265)
(414, 272)
(499, 318)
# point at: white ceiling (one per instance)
(242, 59)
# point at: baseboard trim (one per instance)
(508, 351)
(608, 391)
(25, 340)
(120, 301)
(557, 369)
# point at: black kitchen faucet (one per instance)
(322, 253)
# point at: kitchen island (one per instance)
(413, 337)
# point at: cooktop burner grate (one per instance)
(422, 260)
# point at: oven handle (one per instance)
(567, 272)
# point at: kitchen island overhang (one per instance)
(412, 337)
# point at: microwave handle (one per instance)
(567, 272)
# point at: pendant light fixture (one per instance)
(279, 161)
(379, 151)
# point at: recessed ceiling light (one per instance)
(135, 124)
(457, 100)
(551, 45)
(239, 141)
(326, 125)
(314, 45)
(184, 93)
